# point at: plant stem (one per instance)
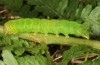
(47, 53)
(53, 39)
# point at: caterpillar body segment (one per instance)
(45, 26)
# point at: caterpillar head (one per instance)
(86, 35)
(86, 28)
(83, 33)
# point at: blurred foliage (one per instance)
(78, 51)
(22, 52)
(10, 59)
(93, 17)
(13, 49)
(96, 62)
(52, 8)
(79, 10)
(17, 51)
(19, 46)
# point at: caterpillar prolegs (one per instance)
(45, 26)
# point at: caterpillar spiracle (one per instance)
(65, 27)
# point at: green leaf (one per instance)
(6, 40)
(1, 62)
(41, 59)
(94, 19)
(12, 4)
(95, 14)
(37, 49)
(17, 43)
(50, 7)
(19, 50)
(74, 51)
(8, 58)
(71, 9)
(98, 3)
(79, 11)
(8, 47)
(24, 11)
(86, 11)
(22, 61)
(62, 6)
(31, 60)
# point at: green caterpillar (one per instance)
(45, 26)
